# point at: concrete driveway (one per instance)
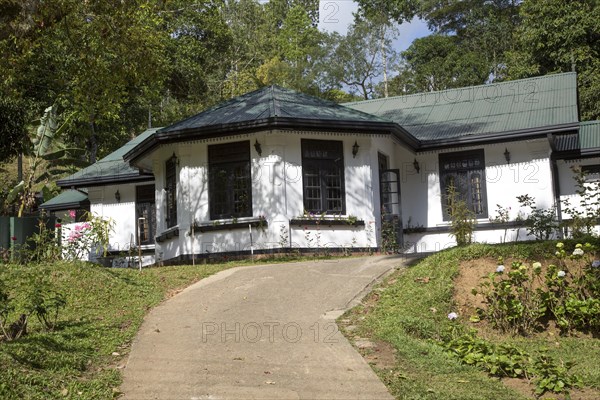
(260, 332)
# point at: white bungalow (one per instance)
(275, 169)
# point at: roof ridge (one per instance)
(383, 99)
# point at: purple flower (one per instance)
(452, 316)
(596, 264)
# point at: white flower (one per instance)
(578, 252)
(452, 316)
(537, 265)
(500, 269)
(561, 274)
(595, 263)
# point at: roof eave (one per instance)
(282, 123)
(66, 206)
(498, 137)
(104, 181)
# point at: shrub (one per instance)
(462, 218)
(92, 235)
(519, 299)
(512, 303)
(540, 223)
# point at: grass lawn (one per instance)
(408, 315)
(82, 358)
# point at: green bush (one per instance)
(462, 218)
(568, 292)
(507, 360)
(512, 303)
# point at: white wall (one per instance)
(276, 194)
(529, 172)
(104, 205)
(568, 187)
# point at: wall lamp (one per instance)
(507, 155)
(355, 147)
(417, 166)
(258, 148)
(175, 159)
(118, 196)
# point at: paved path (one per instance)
(261, 332)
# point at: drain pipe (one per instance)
(251, 242)
(555, 184)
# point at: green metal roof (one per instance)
(268, 108)
(67, 200)
(271, 102)
(534, 104)
(589, 136)
(110, 169)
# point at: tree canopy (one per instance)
(117, 67)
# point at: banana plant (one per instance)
(48, 150)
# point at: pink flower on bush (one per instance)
(72, 214)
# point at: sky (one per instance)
(336, 15)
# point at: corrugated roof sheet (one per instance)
(566, 142)
(271, 102)
(500, 107)
(589, 135)
(112, 167)
(66, 200)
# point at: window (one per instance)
(230, 186)
(171, 190)
(323, 176)
(592, 173)
(145, 208)
(466, 171)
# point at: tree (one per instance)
(358, 58)
(437, 62)
(559, 36)
(391, 10)
(13, 137)
(98, 60)
(298, 50)
(483, 26)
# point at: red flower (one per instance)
(14, 238)
(57, 225)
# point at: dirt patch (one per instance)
(382, 356)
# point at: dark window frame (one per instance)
(230, 193)
(592, 172)
(319, 159)
(468, 167)
(171, 191)
(145, 206)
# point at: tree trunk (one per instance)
(384, 60)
